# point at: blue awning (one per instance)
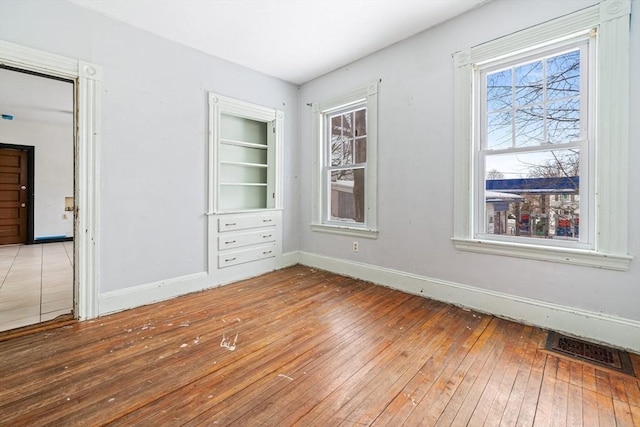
(535, 185)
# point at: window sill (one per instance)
(346, 231)
(551, 254)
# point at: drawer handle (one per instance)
(267, 220)
(266, 252)
(229, 224)
(230, 259)
(266, 236)
(229, 242)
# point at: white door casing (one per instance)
(87, 137)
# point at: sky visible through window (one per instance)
(530, 105)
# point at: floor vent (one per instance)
(589, 352)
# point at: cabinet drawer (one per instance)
(229, 259)
(235, 240)
(232, 222)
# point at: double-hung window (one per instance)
(534, 146)
(541, 141)
(345, 163)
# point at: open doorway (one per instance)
(36, 198)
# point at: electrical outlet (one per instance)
(355, 246)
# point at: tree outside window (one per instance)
(533, 139)
(348, 157)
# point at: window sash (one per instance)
(585, 44)
(328, 168)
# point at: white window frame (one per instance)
(368, 97)
(607, 248)
(584, 42)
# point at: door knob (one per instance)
(24, 205)
(23, 187)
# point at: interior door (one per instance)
(13, 196)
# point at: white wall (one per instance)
(53, 171)
(415, 171)
(153, 149)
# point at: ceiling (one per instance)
(294, 40)
(33, 98)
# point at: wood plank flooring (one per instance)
(306, 348)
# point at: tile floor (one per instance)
(36, 283)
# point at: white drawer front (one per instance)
(235, 240)
(231, 222)
(229, 259)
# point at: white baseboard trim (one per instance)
(148, 293)
(289, 258)
(136, 296)
(615, 331)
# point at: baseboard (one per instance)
(288, 259)
(149, 293)
(615, 331)
(52, 239)
(136, 296)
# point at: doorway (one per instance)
(87, 77)
(36, 198)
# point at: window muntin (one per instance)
(345, 146)
(533, 145)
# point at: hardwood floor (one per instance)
(308, 348)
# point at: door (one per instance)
(14, 179)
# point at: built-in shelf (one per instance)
(243, 144)
(249, 165)
(245, 188)
(244, 166)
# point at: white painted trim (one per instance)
(218, 105)
(289, 259)
(137, 296)
(87, 77)
(616, 331)
(149, 293)
(345, 230)
(552, 254)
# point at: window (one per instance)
(541, 122)
(345, 164)
(534, 135)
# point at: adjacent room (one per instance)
(341, 212)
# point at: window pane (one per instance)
(529, 126)
(563, 163)
(563, 75)
(337, 150)
(336, 126)
(499, 130)
(533, 194)
(563, 120)
(347, 195)
(499, 90)
(528, 82)
(361, 150)
(342, 125)
(361, 122)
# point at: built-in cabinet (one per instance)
(245, 188)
